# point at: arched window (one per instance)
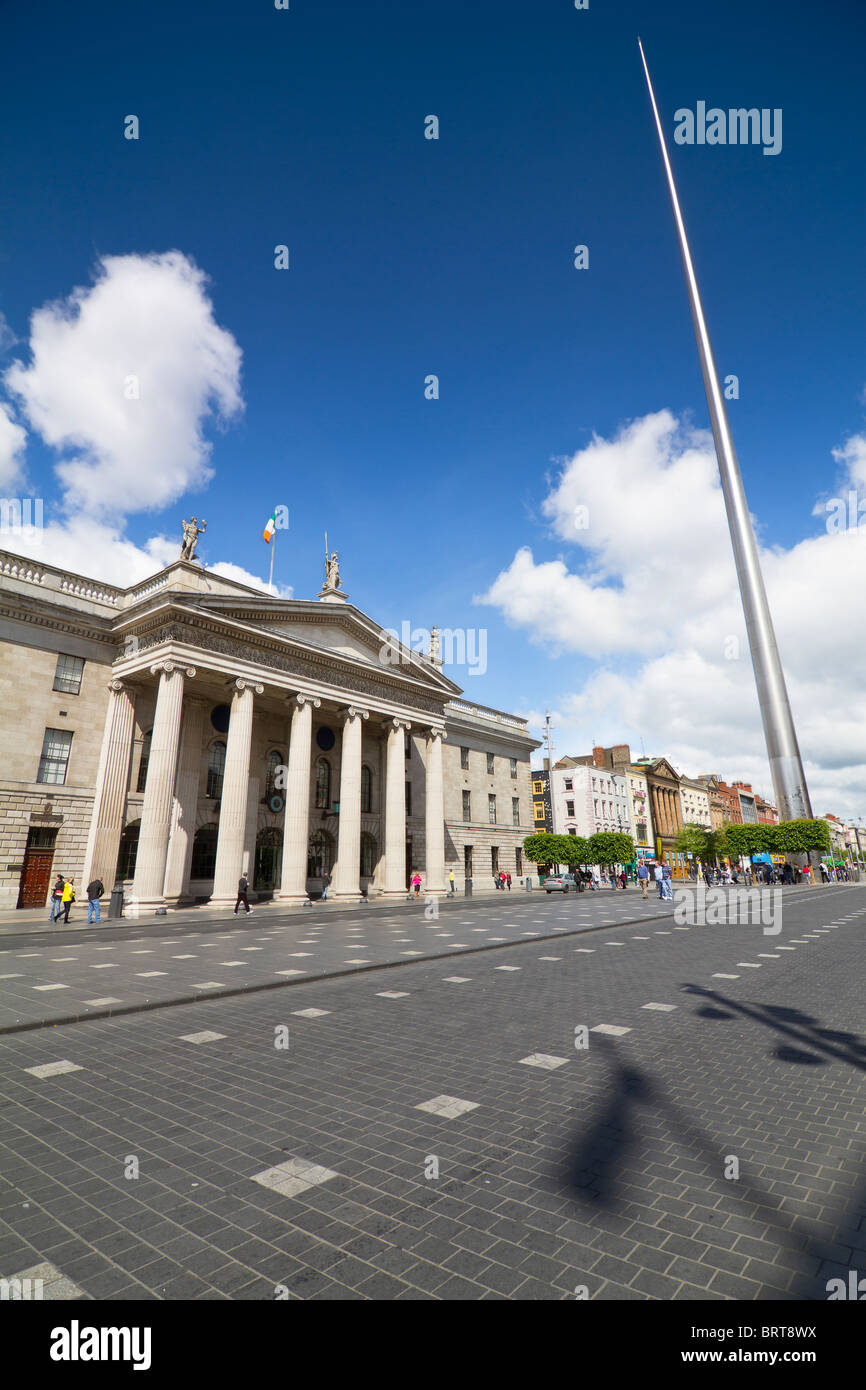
(268, 861)
(275, 762)
(366, 789)
(204, 852)
(321, 854)
(216, 767)
(368, 855)
(128, 851)
(144, 760)
(323, 784)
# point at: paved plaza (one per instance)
(528, 1097)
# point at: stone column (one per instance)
(434, 814)
(296, 822)
(233, 803)
(149, 883)
(185, 803)
(112, 785)
(395, 809)
(346, 879)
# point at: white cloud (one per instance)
(12, 441)
(146, 318)
(653, 598)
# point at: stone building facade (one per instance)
(178, 732)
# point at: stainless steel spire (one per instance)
(786, 768)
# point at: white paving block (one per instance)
(53, 1069)
(295, 1176)
(199, 1038)
(448, 1107)
(543, 1060)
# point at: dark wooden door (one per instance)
(35, 877)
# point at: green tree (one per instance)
(541, 849)
(743, 840)
(611, 847)
(802, 836)
(694, 839)
(575, 851)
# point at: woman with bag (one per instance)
(67, 898)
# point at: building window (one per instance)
(518, 860)
(67, 676)
(538, 810)
(490, 764)
(494, 858)
(491, 808)
(408, 798)
(572, 831)
(366, 789)
(368, 855)
(323, 785)
(216, 766)
(275, 762)
(464, 759)
(537, 788)
(513, 766)
(128, 851)
(320, 855)
(56, 744)
(568, 784)
(569, 808)
(467, 805)
(204, 852)
(515, 810)
(143, 761)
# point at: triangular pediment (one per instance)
(338, 630)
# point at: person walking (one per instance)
(326, 883)
(243, 889)
(54, 901)
(658, 876)
(623, 880)
(508, 881)
(95, 890)
(667, 883)
(643, 879)
(416, 883)
(451, 889)
(67, 898)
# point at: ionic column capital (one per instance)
(167, 667)
(117, 687)
(436, 732)
(354, 712)
(397, 723)
(242, 683)
(302, 698)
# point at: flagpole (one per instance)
(273, 552)
(786, 768)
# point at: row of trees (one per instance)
(607, 847)
(734, 841)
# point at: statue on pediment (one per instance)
(191, 532)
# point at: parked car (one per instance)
(559, 883)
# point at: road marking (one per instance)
(311, 1013)
(100, 1002)
(662, 1008)
(613, 1028)
(52, 1069)
(543, 1060)
(50, 986)
(198, 1038)
(448, 1107)
(392, 994)
(720, 975)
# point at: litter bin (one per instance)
(115, 907)
(467, 888)
(528, 884)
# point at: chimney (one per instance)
(598, 757)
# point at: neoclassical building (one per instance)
(173, 734)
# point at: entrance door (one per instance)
(36, 874)
(410, 867)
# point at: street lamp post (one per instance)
(786, 768)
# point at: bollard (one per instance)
(467, 888)
(528, 883)
(115, 906)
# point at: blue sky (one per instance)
(454, 257)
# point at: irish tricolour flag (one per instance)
(271, 527)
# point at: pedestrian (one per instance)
(451, 884)
(416, 883)
(508, 881)
(643, 878)
(667, 885)
(622, 880)
(326, 883)
(95, 890)
(243, 889)
(657, 875)
(54, 901)
(67, 898)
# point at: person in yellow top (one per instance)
(68, 899)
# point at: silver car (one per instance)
(559, 883)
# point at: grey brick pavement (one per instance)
(607, 1172)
